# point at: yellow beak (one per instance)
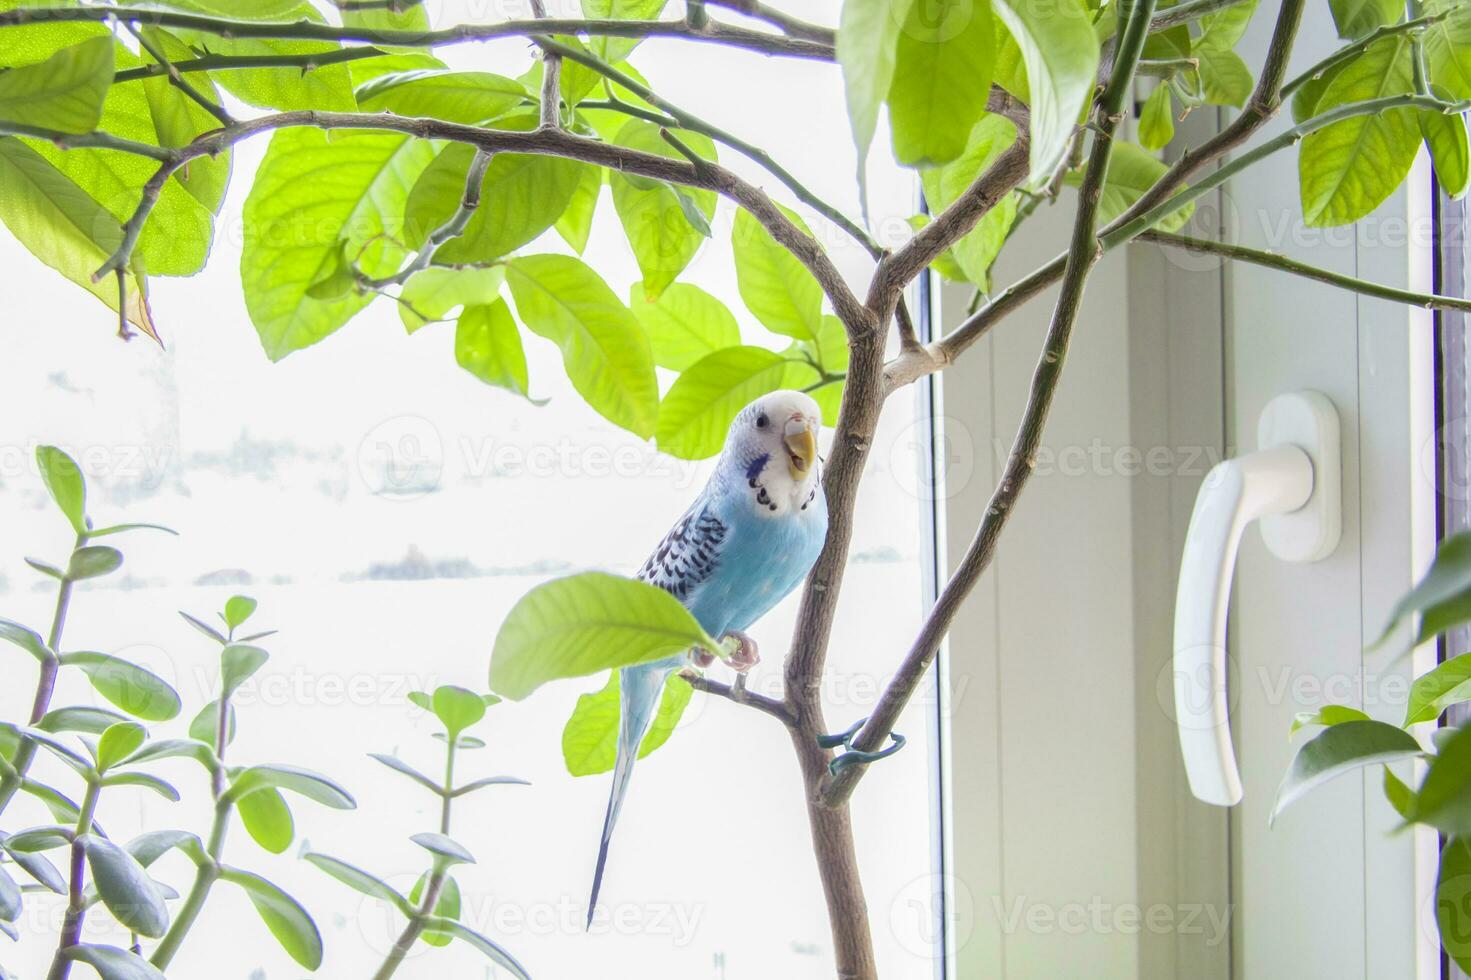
(801, 447)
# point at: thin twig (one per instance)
(714, 33)
(1271, 260)
(453, 228)
(223, 62)
(176, 79)
(1351, 51)
(551, 76)
(739, 695)
(788, 24)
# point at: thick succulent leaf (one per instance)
(590, 737)
(93, 721)
(127, 891)
(27, 639)
(139, 692)
(495, 952)
(112, 963)
(283, 915)
(359, 880)
(238, 663)
(267, 819)
(312, 785)
(446, 850)
(584, 624)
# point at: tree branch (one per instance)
(1084, 251)
(177, 80)
(1348, 52)
(453, 228)
(1282, 263)
(739, 695)
(788, 24)
(715, 33)
(551, 75)
(222, 62)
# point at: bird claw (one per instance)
(744, 655)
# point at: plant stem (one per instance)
(76, 906)
(25, 753)
(1415, 25)
(739, 37)
(434, 887)
(453, 228)
(225, 62)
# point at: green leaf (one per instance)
(28, 640)
(398, 765)
(175, 748)
(130, 895)
(267, 819)
(1132, 172)
(469, 97)
(1445, 136)
(93, 561)
(312, 785)
(775, 286)
(161, 787)
(118, 742)
(1059, 48)
(1453, 901)
(1328, 715)
(488, 345)
(34, 840)
(205, 628)
(496, 954)
(473, 785)
(1224, 78)
(149, 847)
(205, 726)
(1224, 28)
(238, 663)
(359, 880)
(943, 186)
(93, 721)
(283, 915)
(615, 49)
(1440, 595)
(178, 120)
(582, 624)
(10, 899)
(1355, 18)
(654, 219)
(575, 224)
(39, 868)
(1340, 749)
(1444, 800)
(432, 293)
(112, 963)
(590, 737)
(1400, 796)
(1448, 47)
(1347, 169)
(65, 484)
(696, 413)
(943, 64)
(868, 37)
(521, 196)
(445, 850)
(1433, 692)
(457, 708)
(446, 907)
(64, 226)
(64, 92)
(684, 324)
(312, 194)
(139, 692)
(606, 355)
(238, 609)
(1157, 120)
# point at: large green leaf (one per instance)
(283, 915)
(575, 224)
(1339, 749)
(267, 819)
(1432, 693)
(1443, 596)
(696, 413)
(65, 92)
(943, 185)
(943, 64)
(315, 197)
(615, 49)
(1355, 18)
(470, 97)
(1444, 800)
(1453, 901)
(868, 34)
(1224, 28)
(1224, 78)
(590, 737)
(583, 624)
(606, 354)
(1347, 169)
(1157, 119)
(654, 219)
(1448, 47)
(684, 324)
(1059, 48)
(488, 345)
(127, 891)
(136, 690)
(521, 196)
(178, 120)
(775, 286)
(1328, 715)
(432, 293)
(1445, 135)
(64, 226)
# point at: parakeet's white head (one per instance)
(772, 448)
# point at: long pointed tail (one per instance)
(640, 689)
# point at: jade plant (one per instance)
(109, 751)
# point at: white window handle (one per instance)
(1292, 484)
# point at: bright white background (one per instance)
(387, 509)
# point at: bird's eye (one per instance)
(761, 421)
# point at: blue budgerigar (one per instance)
(747, 541)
